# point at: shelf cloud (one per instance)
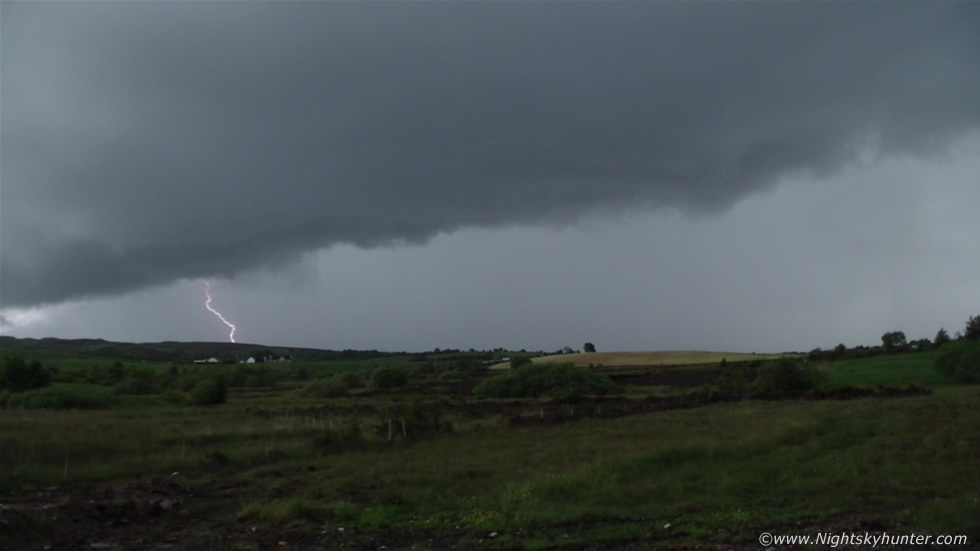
(144, 143)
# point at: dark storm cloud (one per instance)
(147, 142)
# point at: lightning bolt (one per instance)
(207, 304)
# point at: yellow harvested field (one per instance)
(662, 357)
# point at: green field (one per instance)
(663, 357)
(893, 369)
(648, 358)
(426, 466)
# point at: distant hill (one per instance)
(173, 351)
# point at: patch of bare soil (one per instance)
(90, 518)
(163, 514)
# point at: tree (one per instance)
(893, 341)
(787, 376)
(589, 347)
(942, 337)
(116, 372)
(960, 361)
(17, 375)
(210, 392)
(972, 331)
(386, 378)
(840, 350)
(260, 354)
(920, 345)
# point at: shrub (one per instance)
(733, 381)
(451, 375)
(324, 388)
(236, 378)
(552, 380)
(116, 372)
(262, 377)
(175, 397)
(470, 366)
(352, 380)
(387, 378)
(427, 417)
(61, 397)
(185, 382)
(209, 392)
(103, 374)
(16, 375)
(136, 385)
(419, 419)
(960, 361)
(787, 376)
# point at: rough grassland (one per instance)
(372, 470)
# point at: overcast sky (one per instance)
(753, 176)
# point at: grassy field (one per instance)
(367, 469)
(663, 357)
(888, 370)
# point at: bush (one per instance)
(387, 378)
(470, 366)
(787, 376)
(209, 392)
(175, 397)
(324, 388)
(262, 377)
(116, 372)
(960, 361)
(61, 397)
(552, 380)
(136, 385)
(733, 381)
(16, 375)
(103, 374)
(451, 375)
(185, 382)
(412, 422)
(352, 380)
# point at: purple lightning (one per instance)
(207, 304)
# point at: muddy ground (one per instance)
(165, 514)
